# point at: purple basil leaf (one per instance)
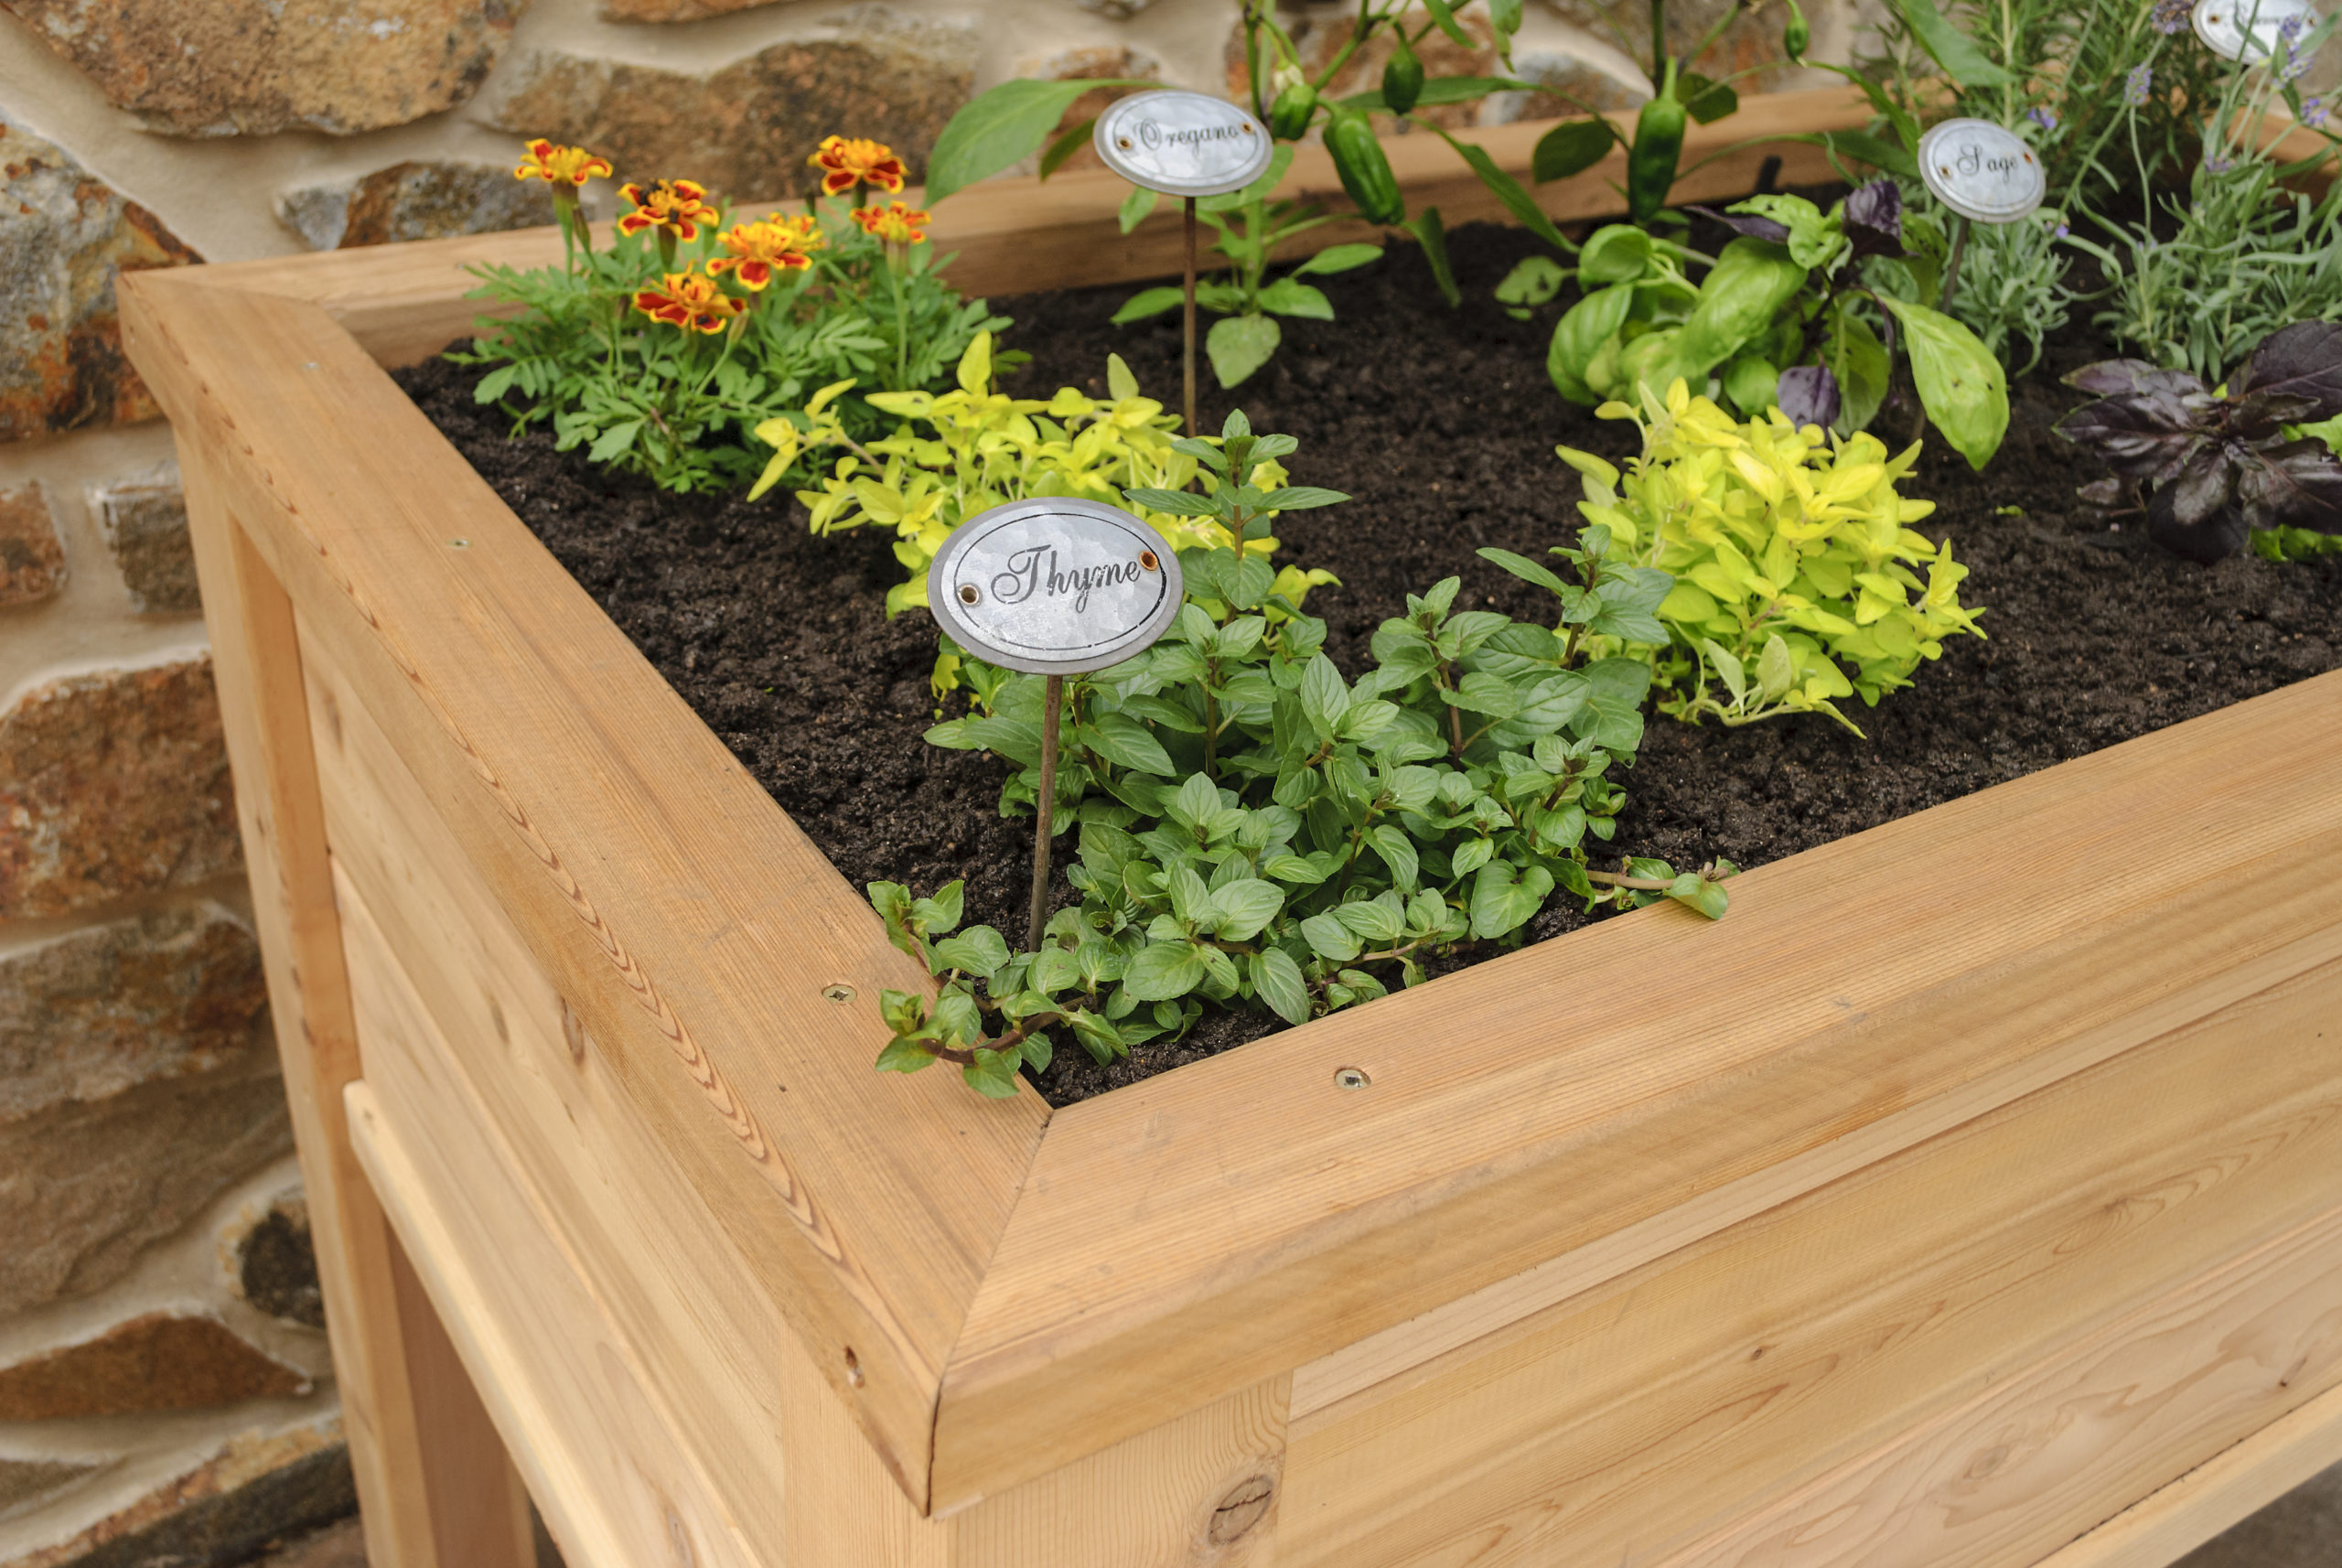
(1808, 394)
(2303, 360)
(1749, 223)
(2297, 485)
(2124, 377)
(2202, 488)
(2260, 416)
(1873, 219)
(2145, 437)
(2220, 535)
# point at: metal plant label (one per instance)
(2241, 29)
(1981, 170)
(1182, 144)
(1054, 585)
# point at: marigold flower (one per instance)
(557, 166)
(689, 300)
(759, 248)
(676, 204)
(847, 162)
(894, 222)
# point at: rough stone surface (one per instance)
(84, 1186)
(27, 1482)
(1120, 10)
(414, 202)
(1752, 38)
(113, 784)
(275, 1267)
(64, 236)
(157, 995)
(255, 1492)
(156, 1361)
(1318, 39)
(339, 1545)
(32, 558)
(144, 522)
(1573, 87)
(745, 130)
(1108, 62)
(222, 68)
(674, 10)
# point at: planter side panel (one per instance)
(1809, 1372)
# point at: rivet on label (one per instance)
(1145, 558)
(968, 595)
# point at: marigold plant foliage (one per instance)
(1797, 579)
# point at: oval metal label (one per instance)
(1182, 144)
(1980, 171)
(1055, 585)
(2239, 28)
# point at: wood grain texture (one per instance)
(689, 923)
(425, 1460)
(1808, 1363)
(404, 302)
(2237, 1482)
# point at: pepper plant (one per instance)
(1256, 829)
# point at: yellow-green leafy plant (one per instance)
(1798, 578)
(981, 448)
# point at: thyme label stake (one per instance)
(1053, 586)
(1188, 144)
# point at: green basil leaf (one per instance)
(1962, 387)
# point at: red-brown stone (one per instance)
(155, 1362)
(32, 559)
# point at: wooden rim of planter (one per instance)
(995, 1289)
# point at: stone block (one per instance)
(144, 522)
(746, 129)
(1573, 86)
(101, 1009)
(86, 1185)
(1752, 38)
(674, 10)
(414, 202)
(224, 1508)
(32, 558)
(113, 784)
(224, 68)
(1119, 10)
(67, 236)
(156, 1361)
(27, 1483)
(275, 1266)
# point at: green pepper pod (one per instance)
(1403, 80)
(1795, 34)
(1290, 115)
(1366, 173)
(1658, 151)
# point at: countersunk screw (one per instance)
(459, 545)
(1350, 1077)
(838, 991)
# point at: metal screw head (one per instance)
(838, 991)
(459, 545)
(1350, 1077)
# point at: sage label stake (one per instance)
(1186, 145)
(1985, 173)
(1053, 586)
(2241, 29)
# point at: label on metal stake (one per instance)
(1182, 144)
(1055, 585)
(1980, 171)
(2249, 29)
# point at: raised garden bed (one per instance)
(1939, 1206)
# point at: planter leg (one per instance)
(434, 1484)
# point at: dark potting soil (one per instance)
(1441, 425)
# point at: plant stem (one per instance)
(1191, 316)
(1045, 808)
(1952, 267)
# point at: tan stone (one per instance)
(24, 1483)
(414, 202)
(275, 1267)
(64, 236)
(1573, 87)
(674, 10)
(1318, 39)
(156, 1362)
(113, 784)
(225, 1507)
(32, 558)
(1752, 38)
(745, 130)
(221, 68)
(1092, 63)
(84, 1186)
(155, 995)
(143, 523)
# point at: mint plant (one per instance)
(1256, 829)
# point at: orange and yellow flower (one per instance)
(894, 223)
(690, 300)
(757, 249)
(559, 166)
(676, 204)
(847, 162)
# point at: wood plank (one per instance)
(2236, 1483)
(1677, 1404)
(424, 1463)
(406, 302)
(688, 923)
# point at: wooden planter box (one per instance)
(1972, 1196)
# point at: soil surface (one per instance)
(1441, 425)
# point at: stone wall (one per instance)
(165, 1388)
